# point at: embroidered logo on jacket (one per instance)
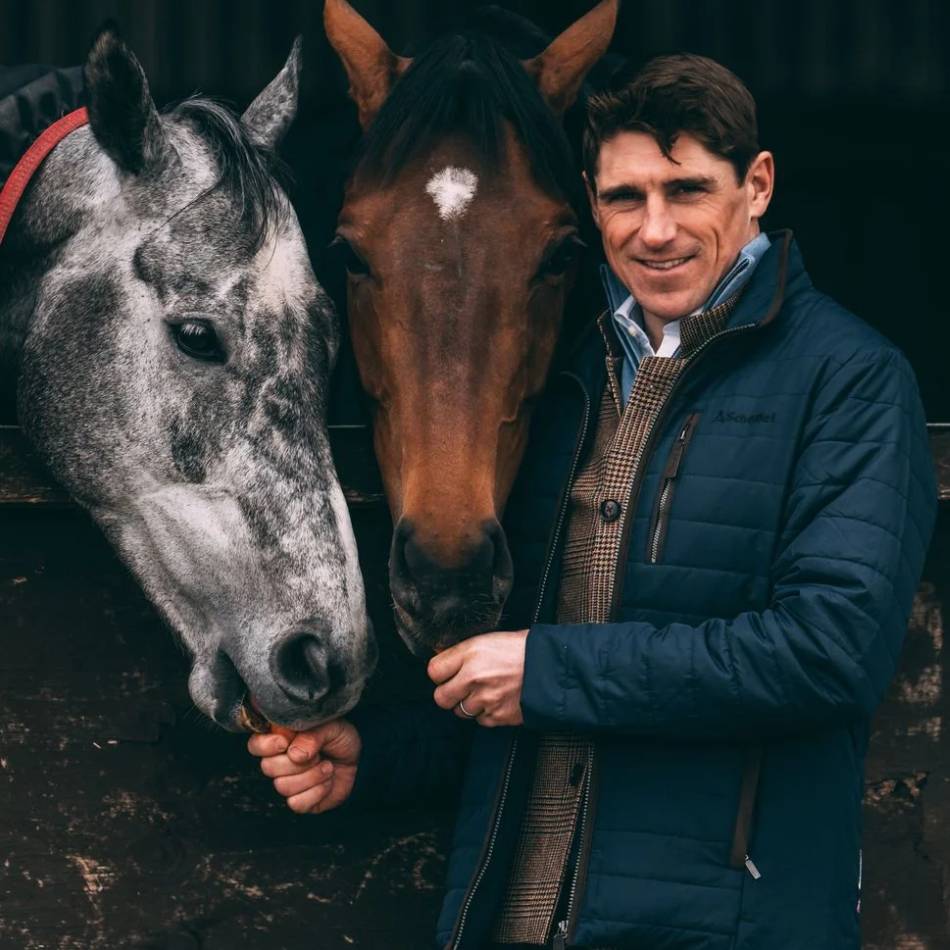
(746, 417)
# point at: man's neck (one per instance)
(654, 328)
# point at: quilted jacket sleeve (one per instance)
(857, 521)
(412, 753)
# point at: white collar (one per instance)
(628, 316)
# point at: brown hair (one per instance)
(673, 94)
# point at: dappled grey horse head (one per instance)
(173, 351)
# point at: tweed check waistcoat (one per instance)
(592, 550)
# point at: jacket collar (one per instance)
(779, 273)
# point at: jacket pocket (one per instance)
(748, 792)
(659, 521)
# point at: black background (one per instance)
(853, 99)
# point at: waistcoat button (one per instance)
(610, 510)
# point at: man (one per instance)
(734, 492)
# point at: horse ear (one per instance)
(560, 69)
(371, 66)
(122, 115)
(269, 116)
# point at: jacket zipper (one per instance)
(564, 926)
(661, 514)
(748, 792)
(456, 942)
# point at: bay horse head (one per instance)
(460, 232)
(171, 351)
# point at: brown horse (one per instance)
(460, 229)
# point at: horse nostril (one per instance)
(336, 676)
(482, 565)
(299, 665)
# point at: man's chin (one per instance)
(668, 306)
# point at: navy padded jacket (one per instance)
(759, 618)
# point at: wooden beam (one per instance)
(25, 481)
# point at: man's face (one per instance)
(671, 229)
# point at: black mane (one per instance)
(469, 83)
(247, 172)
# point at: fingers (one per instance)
(266, 744)
(443, 666)
(290, 785)
(306, 746)
(456, 690)
(310, 800)
(474, 712)
(278, 765)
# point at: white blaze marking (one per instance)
(452, 189)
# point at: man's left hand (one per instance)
(484, 674)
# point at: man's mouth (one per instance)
(661, 265)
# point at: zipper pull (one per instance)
(679, 447)
(560, 937)
(752, 869)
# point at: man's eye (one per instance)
(197, 339)
(689, 190)
(624, 197)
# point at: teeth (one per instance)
(664, 265)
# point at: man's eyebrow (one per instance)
(693, 181)
(623, 192)
(618, 192)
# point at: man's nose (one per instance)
(658, 227)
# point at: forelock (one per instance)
(247, 172)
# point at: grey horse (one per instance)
(170, 350)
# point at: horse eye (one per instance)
(564, 255)
(346, 255)
(197, 339)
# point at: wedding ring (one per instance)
(461, 708)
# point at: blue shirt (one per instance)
(628, 317)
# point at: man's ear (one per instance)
(592, 198)
(560, 69)
(269, 116)
(371, 66)
(760, 182)
(122, 115)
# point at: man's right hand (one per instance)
(316, 770)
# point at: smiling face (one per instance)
(672, 228)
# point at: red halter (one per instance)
(32, 158)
